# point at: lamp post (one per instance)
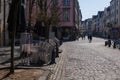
(4, 21)
(12, 24)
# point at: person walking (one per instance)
(90, 38)
(84, 36)
(109, 41)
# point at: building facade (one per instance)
(107, 22)
(115, 12)
(89, 26)
(115, 18)
(70, 19)
(4, 9)
(82, 28)
(94, 24)
(31, 12)
(99, 23)
(68, 28)
(81, 24)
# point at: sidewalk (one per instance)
(5, 62)
(52, 72)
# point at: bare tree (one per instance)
(49, 14)
(31, 5)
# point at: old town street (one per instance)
(81, 60)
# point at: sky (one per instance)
(91, 7)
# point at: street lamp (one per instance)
(4, 21)
(12, 24)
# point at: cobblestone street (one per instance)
(89, 61)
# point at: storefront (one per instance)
(68, 33)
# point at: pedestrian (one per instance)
(109, 41)
(77, 38)
(90, 38)
(84, 36)
(108, 36)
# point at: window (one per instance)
(66, 14)
(66, 2)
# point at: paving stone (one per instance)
(91, 59)
(81, 60)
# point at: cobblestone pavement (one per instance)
(91, 61)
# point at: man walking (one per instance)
(90, 37)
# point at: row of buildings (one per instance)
(70, 18)
(106, 22)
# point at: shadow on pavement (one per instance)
(8, 61)
(6, 75)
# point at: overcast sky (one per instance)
(91, 7)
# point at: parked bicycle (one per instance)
(108, 43)
(116, 43)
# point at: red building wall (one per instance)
(33, 14)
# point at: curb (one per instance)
(1, 68)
